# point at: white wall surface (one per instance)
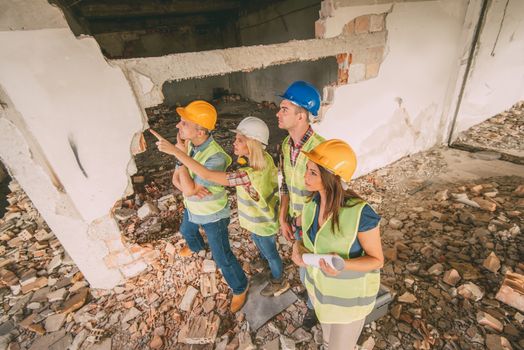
(496, 79)
(65, 90)
(399, 112)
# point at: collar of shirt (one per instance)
(202, 146)
(303, 140)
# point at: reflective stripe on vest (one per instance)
(351, 295)
(260, 217)
(217, 200)
(294, 175)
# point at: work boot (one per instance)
(275, 288)
(185, 252)
(238, 301)
(310, 320)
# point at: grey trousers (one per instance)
(342, 336)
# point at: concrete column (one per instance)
(67, 121)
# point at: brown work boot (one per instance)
(185, 252)
(238, 301)
(275, 288)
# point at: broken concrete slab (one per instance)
(260, 309)
(54, 322)
(200, 330)
(188, 299)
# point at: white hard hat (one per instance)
(254, 128)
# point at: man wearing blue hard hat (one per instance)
(300, 101)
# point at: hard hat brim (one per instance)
(241, 133)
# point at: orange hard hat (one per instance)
(336, 156)
(199, 112)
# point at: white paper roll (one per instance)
(334, 261)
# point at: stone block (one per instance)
(208, 285)
(133, 269)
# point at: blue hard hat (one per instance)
(303, 94)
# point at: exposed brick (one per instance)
(374, 54)
(372, 70)
(376, 23)
(320, 29)
(362, 24)
(349, 28)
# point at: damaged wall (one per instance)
(496, 79)
(67, 123)
(399, 112)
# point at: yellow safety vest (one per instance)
(217, 200)
(260, 217)
(294, 175)
(351, 295)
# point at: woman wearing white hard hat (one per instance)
(257, 193)
(336, 221)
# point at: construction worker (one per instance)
(257, 194)
(206, 202)
(336, 221)
(300, 100)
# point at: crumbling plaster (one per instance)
(400, 111)
(496, 79)
(248, 58)
(67, 122)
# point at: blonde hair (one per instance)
(256, 154)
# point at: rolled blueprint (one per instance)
(334, 261)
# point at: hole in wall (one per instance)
(134, 28)
(235, 96)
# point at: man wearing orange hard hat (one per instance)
(206, 203)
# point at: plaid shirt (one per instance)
(240, 178)
(294, 153)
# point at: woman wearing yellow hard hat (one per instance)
(337, 222)
(257, 193)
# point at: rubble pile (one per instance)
(40, 286)
(502, 134)
(448, 249)
(453, 260)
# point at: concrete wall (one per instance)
(400, 111)
(496, 78)
(66, 125)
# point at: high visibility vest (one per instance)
(260, 217)
(217, 200)
(351, 295)
(294, 175)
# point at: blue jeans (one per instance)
(267, 246)
(217, 237)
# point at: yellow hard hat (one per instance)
(199, 112)
(336, 156)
